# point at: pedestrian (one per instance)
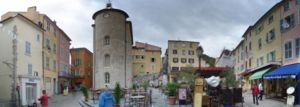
(255, 91)
(261, 91)
(106, 99)
(44, 99)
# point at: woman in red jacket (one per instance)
(255, 91)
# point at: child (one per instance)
(44, 99)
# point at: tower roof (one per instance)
(110, 9)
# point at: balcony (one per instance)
(65, 74)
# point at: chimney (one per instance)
(31, 9)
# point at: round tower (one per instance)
(111, 48)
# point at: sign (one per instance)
(182, 93)
(198, 100)
(199, 81)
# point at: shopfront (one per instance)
(29, 89)
(279, 79)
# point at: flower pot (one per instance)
(117, 105)
(172, 100)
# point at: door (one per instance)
(54, 86)
(31, 93)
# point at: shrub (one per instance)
(171, 89)
(85, 92)
(117, 93)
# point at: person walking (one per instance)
(106, 99)
(255, 92)
(44, 99)
(261, 91)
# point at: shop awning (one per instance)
(284, 71)
(259, 74)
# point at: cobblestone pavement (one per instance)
(70, 100)
(160, 100)
(264, 103)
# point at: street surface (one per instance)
(70, 100)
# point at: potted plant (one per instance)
(117, 94)
(85, 93)
(171, 93)
(146, 85)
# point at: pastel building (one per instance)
(64, 75)
(50, 46)
(146, 59)
(289, 26)
(26, 54)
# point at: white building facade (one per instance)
(29, 58)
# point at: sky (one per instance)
(216, 24)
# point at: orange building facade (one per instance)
(82, 67)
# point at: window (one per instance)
(183, 60)
(38, 37)
(298, 47)
(54, 48)
(287, 22)
(271, 56)
(259, 28)
(77, 72)
(288, 50)
(175, 60)
(183, 52)
(47, 63)
(107, 77)
(30, 69)
(54, 32)
(174, 51)
(191, 45)
(175, 68)
(77, 61)
(142, 66)
(250, 63)
(48, 26)
(270, 36)
(152, 59)
(260, 61)
(286, 6)
(28, 48)
(106, 40)
(297, 2)
(191, 52)
(270, 19)
(250, 46)
(191, 60)
(54, 65)
(259, 43)
(107, 60)
(142, 57)
(48, 43)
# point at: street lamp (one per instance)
(199, 53)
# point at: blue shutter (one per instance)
(292, 20)
(281, 25)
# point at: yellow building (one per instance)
(146, 59)
(260, 49)
(50, 46)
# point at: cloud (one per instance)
(214, 23)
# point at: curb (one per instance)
(83, 103)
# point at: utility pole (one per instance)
(14, 78)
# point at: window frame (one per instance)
(288, 51)
(27, 48)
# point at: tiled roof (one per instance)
(147, 46)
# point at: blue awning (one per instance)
(284, 71)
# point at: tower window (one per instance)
(107, 77)
(106, 40)
(107, 60)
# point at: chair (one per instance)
(127, 99)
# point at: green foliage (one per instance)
(171, 89)
(230, 77)
(146, 85)
(186, 75)
(292, 82)
(85, 92)
(134, 86)
(210, 60)
(117, 93)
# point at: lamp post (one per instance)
(197, 101)
(199, 53)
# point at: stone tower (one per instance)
(112, 48)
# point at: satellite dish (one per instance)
(290, 90)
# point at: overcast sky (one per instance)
(216, 24)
